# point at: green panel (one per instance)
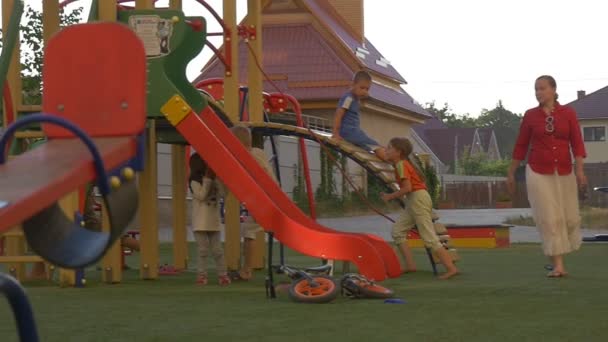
(9, 41)
(177, 62)
(94, 12)
(167, 67)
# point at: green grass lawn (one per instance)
(502, 295)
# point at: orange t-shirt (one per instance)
(405, 170)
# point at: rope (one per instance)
(319, 141)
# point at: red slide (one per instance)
(392, 264)
(250, 183)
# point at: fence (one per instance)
(471, 193)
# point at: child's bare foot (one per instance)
(449, 274)
(409, 270)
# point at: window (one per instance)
(594, 133)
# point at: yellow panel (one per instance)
(175, 110)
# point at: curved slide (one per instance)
(268, 204)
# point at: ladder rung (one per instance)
(29, 134)
(29, 108)
(20, 258)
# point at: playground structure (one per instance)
(166, 77)
(141, 97)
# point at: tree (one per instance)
(32, 44)
(505, 124)
(449, 118)
(478, 164)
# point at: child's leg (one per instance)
(251, 229)
(400, 228)
(406, 251)
(420, 205)
(202, 243)
(247, 269)
(218, 252)
(446, 260)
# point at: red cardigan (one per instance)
(550, 151)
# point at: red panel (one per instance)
(213, 86)
(36, 179)
(503, 242)
(95, 76)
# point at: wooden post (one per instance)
(232, 219)
(69, 205)
(15, 246)
(112, 262)
(180, 243)
(255, 104)
(148, 208)
(50, 19)
(14, 70)
(148, 195)
(107, 10)
(178, 157)
(144, 4)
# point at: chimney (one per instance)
(580, 94)
(351, 12)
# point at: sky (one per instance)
(473, 53)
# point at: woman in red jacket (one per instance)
(551, 132)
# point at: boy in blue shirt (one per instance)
(347, 124)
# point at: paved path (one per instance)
(382, 227)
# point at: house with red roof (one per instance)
(451, 144)
(311, 50)
(592, 111)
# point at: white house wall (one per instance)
(597, 151)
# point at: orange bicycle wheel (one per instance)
(323, 290)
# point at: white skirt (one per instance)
(554, 202)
